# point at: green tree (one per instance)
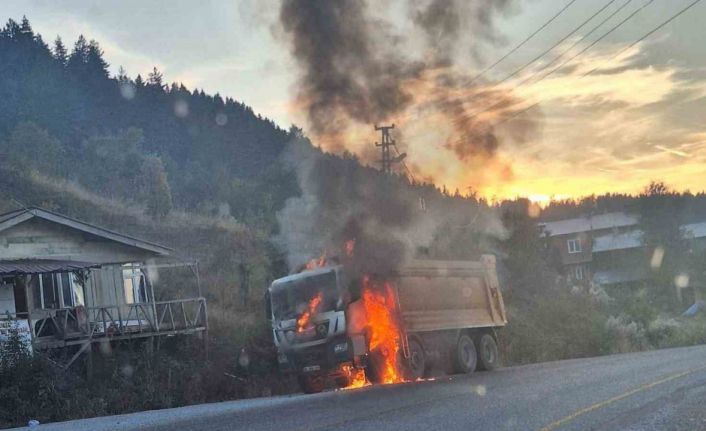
(60, 53)
(526, 257)
(155, 187)
(661, 216)
(30, 147)
(155, 78)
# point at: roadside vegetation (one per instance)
(210, 179)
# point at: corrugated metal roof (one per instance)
(633, 238)
(40, 266)
(13, 218)
(695, 230)
(586, 224)
(616, 276)
(10, 214)
(621, 241)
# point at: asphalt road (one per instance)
(658, 390)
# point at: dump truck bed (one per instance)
(442, 295)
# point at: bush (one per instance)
(559, 326)
(128, 378)
(623, 335)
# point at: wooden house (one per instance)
(64, 282)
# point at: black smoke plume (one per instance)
(341, 202)
(347, 68)
(353, 70)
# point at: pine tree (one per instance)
(155, 78)
(61, 55)
(11, 29)
(97, 66)
(25, 27)
(79, 55)
(122, 75)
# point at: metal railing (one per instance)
(147, 318)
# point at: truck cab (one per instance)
(314, 342)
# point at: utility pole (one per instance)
(385, 144)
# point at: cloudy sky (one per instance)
(638, 117)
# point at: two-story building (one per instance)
(608, 249)
(573, 240)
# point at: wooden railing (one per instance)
(148, 318)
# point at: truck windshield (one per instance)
(290, 298)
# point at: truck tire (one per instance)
(488, 357)
(311, 383)
(375, 364)
(465, 356)
(417, 363)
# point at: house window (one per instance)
(578, 272)
(574, 245)
(134, 284)
(60, 290)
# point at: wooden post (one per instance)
(89, 362)
(115, 290)
(205, 344)
(154, 305)
(30, 305)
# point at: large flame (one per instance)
(384, 330)
(311, 307)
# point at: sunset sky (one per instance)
(639, 117)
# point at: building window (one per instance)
(574, 245)
(578, 272)
(60, 290)
(134, 284)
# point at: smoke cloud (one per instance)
(347, 70)
(342, 202)
(386, 219)
(357, 69)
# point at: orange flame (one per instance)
(356, 375)
(385, 334)
(304, 319)
(318, 262)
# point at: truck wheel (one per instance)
(311, 383)
(466, 358)
(488, 358)
(375, 364)
(417, 365)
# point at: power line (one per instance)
(583, 51)
(640, 39)
(562, 40)
(409, 172)
(527, 39)
(650, 33)
(600, 24)
(603, 36)
(535, 59)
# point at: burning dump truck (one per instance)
(386, 328)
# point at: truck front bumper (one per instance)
(319, 358)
